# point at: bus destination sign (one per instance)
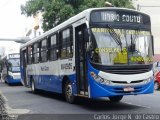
(14, 55)
(117, 16)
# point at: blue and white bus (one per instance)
(11, 68)
(101, 52)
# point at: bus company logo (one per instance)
(66, 66)
(44, 68)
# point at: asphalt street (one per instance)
(20, 97)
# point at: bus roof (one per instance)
(83, 14)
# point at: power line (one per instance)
(140, 6)
(18, 40)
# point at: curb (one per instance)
(6, 112)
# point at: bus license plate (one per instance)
(128, 89)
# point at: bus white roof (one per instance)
(83, 14)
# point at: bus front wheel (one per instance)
(115, 98)
(68, 93)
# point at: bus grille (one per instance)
(125, 82)
(120, 90)
(126, 69)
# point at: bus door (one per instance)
(24, 65)
(81, 62)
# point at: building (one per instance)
(152, 8)
(36, 26)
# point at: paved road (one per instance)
(20, 97)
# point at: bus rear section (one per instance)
(101, 52)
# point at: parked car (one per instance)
(157, 81)
(157, 76)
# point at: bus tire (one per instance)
(5, 80)
(115, 98)
(33, 89)
(68, 92)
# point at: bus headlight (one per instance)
(147, 81)
(99, 79)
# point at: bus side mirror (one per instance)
(86, 34)
(152, 40)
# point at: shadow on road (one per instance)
(92, 104)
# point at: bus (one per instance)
(11, 68)
(101, 52)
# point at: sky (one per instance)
(12, 23)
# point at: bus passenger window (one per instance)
(36, 53)
(67, 44)
(44, 50)
(30, 56)
(53, 48)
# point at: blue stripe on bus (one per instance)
(53, 83)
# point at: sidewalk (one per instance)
(6, 112)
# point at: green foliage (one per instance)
(57, 11)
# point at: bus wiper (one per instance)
(132, 46)
(115, 36)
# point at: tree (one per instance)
(57, 11)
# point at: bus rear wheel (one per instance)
(68, 93)
(115, 98)
(33, 89)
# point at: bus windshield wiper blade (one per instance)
(132, 46)
(115, 36)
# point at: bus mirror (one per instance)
(86, 34)
(152, 40)
(132, 48)
(90, 47)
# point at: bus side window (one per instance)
(29, 61)
(36, 53)
(66, 45)
(44, 50)
(53, 48)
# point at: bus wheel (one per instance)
(33, 89)
(5, 80)
(68, 93)
(156, 86)
(115, 98)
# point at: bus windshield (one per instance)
(14, 62)
(15, 69)
(121, 46)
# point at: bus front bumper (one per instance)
(100, 90)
